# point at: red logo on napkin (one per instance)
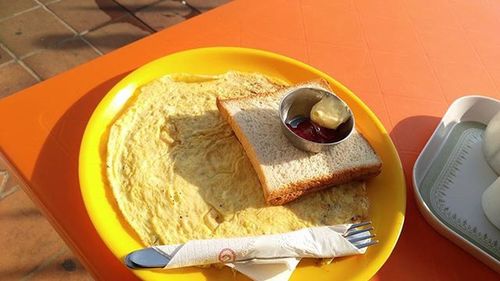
(227, 255)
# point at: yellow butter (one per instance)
(329, 112)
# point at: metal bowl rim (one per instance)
(291, 91)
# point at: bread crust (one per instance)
(295, 190)
(320, 83)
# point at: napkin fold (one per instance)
(267, 270)
(266, 257)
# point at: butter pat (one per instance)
(329, 112)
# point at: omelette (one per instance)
(178, 172)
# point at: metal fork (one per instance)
(360, 236)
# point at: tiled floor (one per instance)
(39, 39)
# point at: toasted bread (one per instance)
(286, 172)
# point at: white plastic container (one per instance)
(451, 174)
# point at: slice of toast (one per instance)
(285, 171)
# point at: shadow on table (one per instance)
(60, 153)
(405, 256)
(412, 133)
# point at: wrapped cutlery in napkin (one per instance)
(265, 257)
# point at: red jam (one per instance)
(313, 132)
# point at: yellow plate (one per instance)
(387, 192)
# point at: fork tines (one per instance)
(360, 236)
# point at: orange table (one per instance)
(408, 60)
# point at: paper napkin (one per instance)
(266, 257)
